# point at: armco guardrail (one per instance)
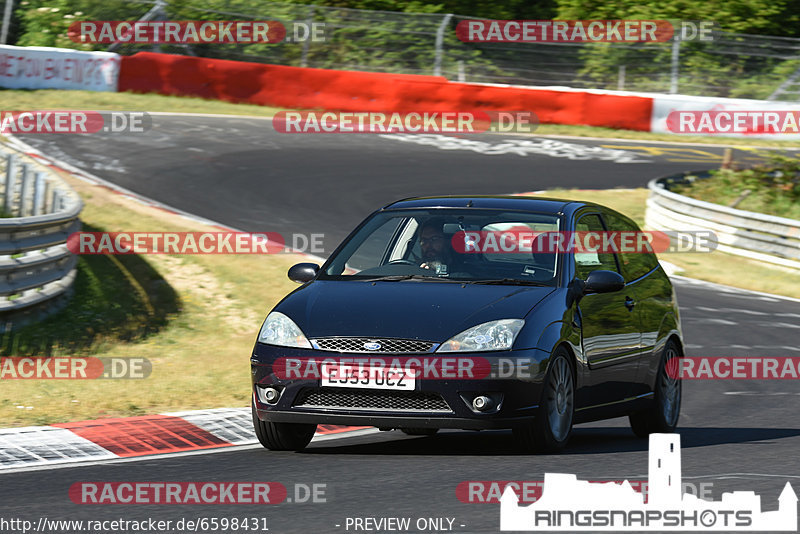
(754, 235)
(39, 212)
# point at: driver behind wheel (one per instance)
(436, 251)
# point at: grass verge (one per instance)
(193, 317)
(88, 100)
(43, 99)
(772, 187)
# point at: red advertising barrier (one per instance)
(303, 88)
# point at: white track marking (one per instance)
(233, 425)
(714, 320)
(737, 291)
(760, 394)
(45, 446)
(748, 347)
(730, 310)
(116, 460)
(779, 325)
(521, 147)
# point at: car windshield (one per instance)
(464, 245)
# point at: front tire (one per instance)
(552, 428)
(662, 416)
(282, 436)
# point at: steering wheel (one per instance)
(401, 262)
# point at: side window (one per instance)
(586, 262)
(369, 254)
(634, 264)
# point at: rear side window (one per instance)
(634, 264)
(586, 262)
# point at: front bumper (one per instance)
(512, 380)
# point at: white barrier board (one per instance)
(36, 67)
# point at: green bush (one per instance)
(772, 187)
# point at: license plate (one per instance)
(344, 376)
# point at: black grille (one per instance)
(366, 399)
(387, 345)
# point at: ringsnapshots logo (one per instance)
(569, 504)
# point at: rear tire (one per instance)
(419, 431)
(282, 436)
(662, 416)
(551, 429)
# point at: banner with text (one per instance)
(36, 67)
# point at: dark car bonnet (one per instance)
(432, 311)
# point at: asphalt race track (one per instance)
(736, 435)
(242, 173)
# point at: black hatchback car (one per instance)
(449, 312)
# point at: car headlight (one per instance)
(280, 330)
(494, 335)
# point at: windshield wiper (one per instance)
(395, 278)
(398, 277)
(506, 281)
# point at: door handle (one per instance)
(629, 303)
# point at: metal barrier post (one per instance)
(11, 171)
(307, 42)
(437, 65)
(38, 194)
(25, 189)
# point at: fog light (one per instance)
(269, 395)
(482, 403)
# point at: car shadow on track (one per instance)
(598, 440)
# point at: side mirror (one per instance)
(303, 272)
(603, 282)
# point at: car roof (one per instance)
(524, 203)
